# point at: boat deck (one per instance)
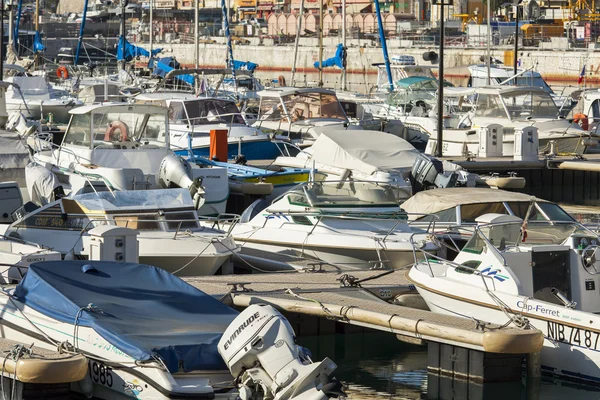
(359, 298)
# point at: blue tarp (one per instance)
(245, 66)
(38, 46)
(335, 61)
(164, 65)
(145, 310)
(132, 51)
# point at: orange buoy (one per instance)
(62, 72)
(582, 120)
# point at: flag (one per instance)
(582, 75)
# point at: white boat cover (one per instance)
(30, 86)
(435, 200)
(363, 151)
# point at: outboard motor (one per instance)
(428, 173)
(260, 350)
(43, 186)
(174, 171)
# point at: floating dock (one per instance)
(385, 301)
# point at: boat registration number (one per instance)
(573, 336)
(100, 373)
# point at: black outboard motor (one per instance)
(428, 173)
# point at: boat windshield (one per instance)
(302, 106)
(412, 96)
(346, 195)
(211, 111)
(530, 105)
(115, 127)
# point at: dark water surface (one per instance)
(378, 366)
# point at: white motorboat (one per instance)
(16, 255)
(171, 235)
(149, 335)
(191, 119)
(300, 114)
(511, 108)
(528, 273)
(357, 225)
(125, 147)
(35, 98)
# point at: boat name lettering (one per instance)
(240, 329)
(537, 308)
(100, 373)
(35, 259)
(56, 222)
(212, 177)
(573, 335)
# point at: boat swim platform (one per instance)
(357, 298)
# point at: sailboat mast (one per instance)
(196, 50)
(321, 43)
(489, 39)
(300, 18)
(151, 26)
(81, 28)
(122, 33)
(344, 83)
(386, 58)
(17, 22)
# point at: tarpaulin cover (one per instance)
(38, 46)
(132, 51)
(244, 66)
(335, 61)
(145, 311)
(363, 151)
(167, 64)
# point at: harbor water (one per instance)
(378, 366)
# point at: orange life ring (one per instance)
(62, 72)
(112, 128)
(582, 120)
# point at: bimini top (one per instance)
(412, 80)
(143, 311)
(435, 200)
(363, 151)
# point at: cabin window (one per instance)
(489, 106)
(213, 111)
(301, 219)
(144, 222)
(554, 212)
(176, 112)
(470, 212)
(79, 131)
(271, 109)
(350, 109)
(470, 267)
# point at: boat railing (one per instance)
(217, 119)
(428, 258)
(223, 222)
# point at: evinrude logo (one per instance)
(240, 329)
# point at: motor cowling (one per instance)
(260, 350)
(174, 171)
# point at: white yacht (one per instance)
(300, 114)
(35, 98)
(126, 147)
(171, 235)
(529, 273)
(510, 107)
(191, 119)
(357, 225)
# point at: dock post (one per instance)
(534, 365)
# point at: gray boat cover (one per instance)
(14, 156)
(143, 311)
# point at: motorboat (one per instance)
(356, 225)
(508, 107)
(149, 335)
(300, 114)
(191, 119)
(171, 235)
(401, 67)
(35, 98)
(361, 109)
(123, 147)
(533, 274)
(378, 157)
(16, 255)
(452, 212)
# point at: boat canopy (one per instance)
(142, 311)
(418, 82)
(435, 200)
(363, 151)
(158, 199)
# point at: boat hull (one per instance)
(252, 149)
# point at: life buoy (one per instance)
(112, 128)
(62, 72)
(281, 80)
(582, 120)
